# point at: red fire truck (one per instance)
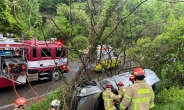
(31, 60)
(45, 59)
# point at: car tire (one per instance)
(55, 76)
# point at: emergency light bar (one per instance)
(53, 39)
(58, 42)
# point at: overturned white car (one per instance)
(89, 94)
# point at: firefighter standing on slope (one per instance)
(109, 98)
(140, 95)
(20, 104)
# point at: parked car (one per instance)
(106, 57)
(89, 94)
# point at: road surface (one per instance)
(41, 88)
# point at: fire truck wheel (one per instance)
(55, 76)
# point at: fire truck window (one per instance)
(60, 52)
(34, 53)
(45, 52)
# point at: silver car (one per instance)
(89, 94)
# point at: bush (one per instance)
(170, 99)
(64, 94)
(44, 104)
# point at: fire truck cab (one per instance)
(46, 59)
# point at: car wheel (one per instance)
(55, 76)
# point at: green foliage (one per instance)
(63, 93)
(27, 16)
(170, 99)
(8, 24)
(80, 43)
(164, 54)
(50, 6)
(45, 103)
(71, 22)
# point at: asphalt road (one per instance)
(41, 88)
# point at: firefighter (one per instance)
(20, 103)
(55, 104)
(140, 95)
(109, 98)
(132, 79)
(121, 88)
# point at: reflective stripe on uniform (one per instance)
(127, 96)
(121, 106)
(111, 95)
(108, 101)
(104, 93)
(110, 108)
(139, 100)
(119, 96)
(143, 91)
(152, 105)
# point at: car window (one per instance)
(60, 52)
(34, 52)
(45, 52)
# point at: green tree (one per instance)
(72, 21)
(27, 15)
(164, 54)
(8, 22)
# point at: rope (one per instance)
(34, 92)
(32, 87)
(14, 87)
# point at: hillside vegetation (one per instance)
(150, 32)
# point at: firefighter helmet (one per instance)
(20, 101)
(108, 85)
(55, 103)
(138, 71)
(120, 84)
(132, 78)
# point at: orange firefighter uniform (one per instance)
(109, 98)
(138, 96)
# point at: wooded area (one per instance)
(149, 32)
